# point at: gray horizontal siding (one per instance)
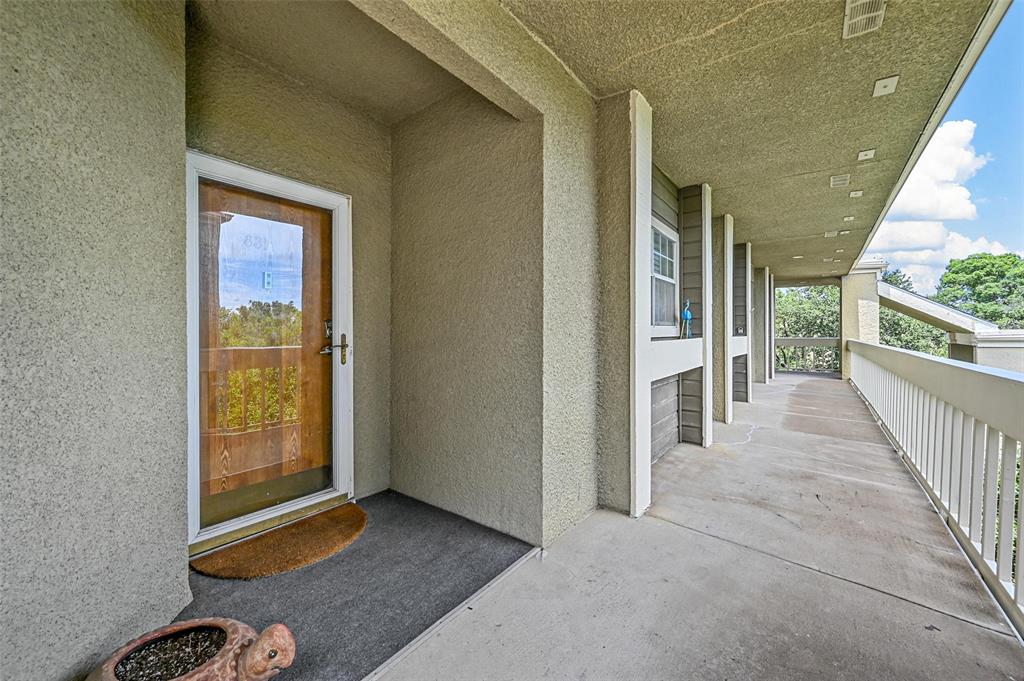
(691, 406)
(739, 379)
(665, 201)
(739, 289)
(690, 267)
(664, 415)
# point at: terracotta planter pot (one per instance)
(245, 656)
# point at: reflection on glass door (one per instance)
(264, 386)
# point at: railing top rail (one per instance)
(996, 396)
(806, 340)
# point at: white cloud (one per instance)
(923, 248)
(935, 188)
(934, 192)
(906, 234)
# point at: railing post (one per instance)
(977, 480)
(988, 541)
(955, 453)
(922, 428)
(1007, 497)
(966, 468)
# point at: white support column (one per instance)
(708, 307)
(749, 330)
(768, 330)
(722, 244)
(641, 161)
(771, 326)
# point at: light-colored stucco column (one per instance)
(721, 272)
(93, 341)
(759, 330)
(859, 308)
(624, 150)
(771, 326)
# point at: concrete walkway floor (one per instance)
(798, 547)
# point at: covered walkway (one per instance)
(798, 547)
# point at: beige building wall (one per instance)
(242, 111)
(858, 311)
(613, 149)
(1010, 358)
(486, 47)
(468, 310)
(93, 341)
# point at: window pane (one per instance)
(668, 268)
(663, 295)
(660, 244)
(264, 388)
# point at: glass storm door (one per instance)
(265, 368)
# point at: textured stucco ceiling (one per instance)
(331, 46)
(764, 100)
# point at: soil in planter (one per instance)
(171, 656)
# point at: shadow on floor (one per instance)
(353, 611)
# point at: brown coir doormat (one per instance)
(286, 548)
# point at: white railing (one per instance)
(959, 427)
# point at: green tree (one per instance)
(987, 286)
(900, 331)
(261, 324)
(807, 312)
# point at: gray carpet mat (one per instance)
(351, 612)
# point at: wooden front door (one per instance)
(265, 393)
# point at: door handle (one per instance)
(343, 345)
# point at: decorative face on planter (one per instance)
(271, 652)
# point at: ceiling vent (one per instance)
(839, 181)
(862, 16)
(831, 235)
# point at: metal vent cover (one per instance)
(862, 16)
(839, 181)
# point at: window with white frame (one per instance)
(664, 279)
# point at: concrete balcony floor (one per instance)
(798, 547)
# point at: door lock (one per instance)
(343, 345)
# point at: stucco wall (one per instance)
(93, 338)
(758, 323)
(613, 184)
(858, 311)
(242, 111)
(1011, 358)
(485, 46)
(467, 305)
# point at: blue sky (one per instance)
(260, 260)
(966, 194)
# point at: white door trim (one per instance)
(201, 165)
